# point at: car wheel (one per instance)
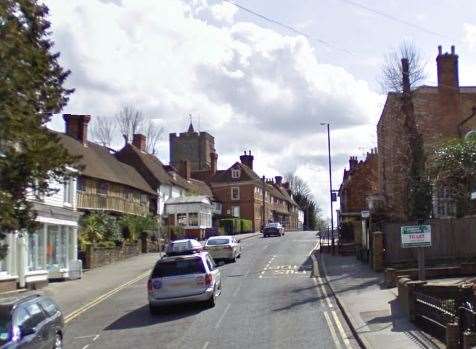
(154, 310)
(58, 341)
(211, 301)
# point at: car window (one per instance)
(5, 321)
(48, 305)
(21, 316)
(36, 315)
(179, 267)
(210, 263)
(214, 242)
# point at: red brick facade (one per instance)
(439, 112)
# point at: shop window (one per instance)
(193, 219)
(182, 219)
(36, 249)
(235, 193)
(102, 188)
(57, 249)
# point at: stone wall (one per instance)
(95, 257)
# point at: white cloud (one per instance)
(470, 35)
(251, 87)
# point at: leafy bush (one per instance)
(246, 226)
(134, 227)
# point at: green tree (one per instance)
(31, 90)
(453, 165)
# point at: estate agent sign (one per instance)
(416, 236)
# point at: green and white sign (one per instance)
(416, 236)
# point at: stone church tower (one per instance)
(198, 148)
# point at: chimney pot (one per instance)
(447, 71)
(76, 126)
(452, 49)
(279, 179)
(247, 159)
(440, 50)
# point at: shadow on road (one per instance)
(141, 317)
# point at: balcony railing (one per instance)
(111, 203)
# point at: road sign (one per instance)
(416, 236)
(365, 214)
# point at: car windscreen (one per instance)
(179, 267)
(214, 242)
(5, 321)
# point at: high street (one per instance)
(270, 300)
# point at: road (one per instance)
(270, 300)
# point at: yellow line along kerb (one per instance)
(68, 318)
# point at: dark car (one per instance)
(33, 321)
(273, 229)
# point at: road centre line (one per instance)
(94, 302)
(326, 295)
(332, 330)
(222, 316)
(341, 329)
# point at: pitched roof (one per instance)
(193, 185)
(99, 162)
(188, 200)
(153, 164)
(247, 174)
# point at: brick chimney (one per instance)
(405, 77)
(185, 169)
(247, 159)
(448, 91)
(278, 180)
(213, 165)
(139, 141)
(76, 126)
(353, 162)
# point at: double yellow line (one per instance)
(68, 318)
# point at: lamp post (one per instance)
(330, 179)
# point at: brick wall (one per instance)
(96, 257)
(246, 200)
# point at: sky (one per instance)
(253, 84)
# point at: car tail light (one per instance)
(208, 279)
(154, 284)
(149, 285)
(228, 248)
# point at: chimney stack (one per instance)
(139, 141)
(185, 169)
(447, 69)
(352, 162)
(247, 159)
(278, 180)
(76, 126)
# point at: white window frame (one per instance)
(68, 192)
(444, 206)
(233, 197)
(237, 209)
(235, 173)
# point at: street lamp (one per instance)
(330, 179)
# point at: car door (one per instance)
(53, 322)
(29, 316)
(214, 271)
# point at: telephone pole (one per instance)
(330, 180)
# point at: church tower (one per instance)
(198, 148)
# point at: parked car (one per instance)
(32, 321)
(184, 246)
(273, 229)
(223, 247)
(184, 279)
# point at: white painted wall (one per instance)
(58, 198)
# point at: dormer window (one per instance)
(235, 173)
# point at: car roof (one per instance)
(182, 257)
(220, 237)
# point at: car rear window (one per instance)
(213, 242)
(179, 267)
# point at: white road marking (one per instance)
(314, 248)
(332, 330)
(205, 346)
(341, 329)
(96, 337)
(222, 316)
(82, 337)
(86, 346)
(236, 290)
(323, 288)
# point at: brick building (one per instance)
(441, 112)
(359, 183)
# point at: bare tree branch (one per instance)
(153, 134)
(299, 187)
(391, 75)
(130, 120)
(103, 130)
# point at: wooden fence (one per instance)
(452, 239)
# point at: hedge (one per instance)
(233, 226)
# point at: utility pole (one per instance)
(263, 208)
(330, 180)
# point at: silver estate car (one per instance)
(184, 279)
(223, 247)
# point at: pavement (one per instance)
(375, 316)
(270, 299)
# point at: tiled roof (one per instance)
(247, 174)
(99, 162)
(155, 166)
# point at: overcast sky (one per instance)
(253, 84)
